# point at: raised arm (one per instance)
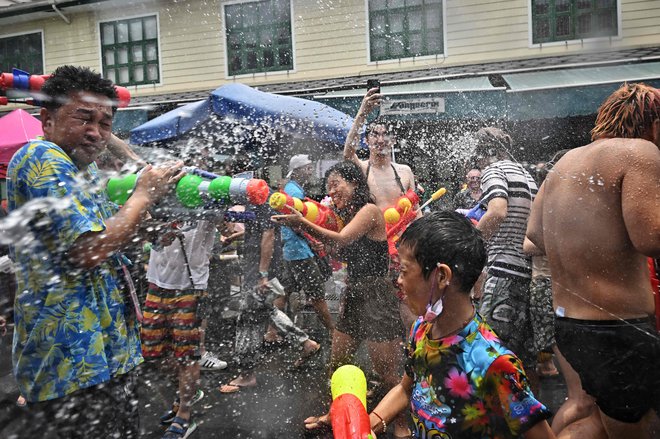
(371, 100)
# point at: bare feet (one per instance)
(547, 369)
(315, 423)
(238, 383)
(271, 337)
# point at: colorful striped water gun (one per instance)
(198, 187)
(313, 211)
(348, 411)
(403, 213)
(21, 80)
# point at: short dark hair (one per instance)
(376, 122)
(449, 238)
(71, 79)
(350, 172)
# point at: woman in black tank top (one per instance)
(369, 305)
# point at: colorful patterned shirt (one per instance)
(73, 327)
(468, 385)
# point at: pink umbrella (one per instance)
(16, 129)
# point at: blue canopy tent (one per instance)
(172, 124)
(238, 114)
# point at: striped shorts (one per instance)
(170, 323)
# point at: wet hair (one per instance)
(70, 79)
(376, 122)
(449, 238)
(629, 112)
(350, 172)
(492, 142)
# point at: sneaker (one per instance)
(169, 416)
(211, 362)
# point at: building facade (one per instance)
(538, 67)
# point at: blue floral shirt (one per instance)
(468, 385)
(74, 327)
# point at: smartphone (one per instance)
(373, 83)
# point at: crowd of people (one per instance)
(556, 262)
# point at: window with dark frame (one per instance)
(129, 51)
(565, 20)
(23, 52)
(258, 37)
(405, 28)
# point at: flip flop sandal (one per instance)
(187, 428)
(300, 362)
(236, 388)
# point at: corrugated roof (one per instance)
(532, 81)
(10, 3)
(315, 87)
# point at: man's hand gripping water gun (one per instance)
(199, 191)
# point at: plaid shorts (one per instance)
(171, 323)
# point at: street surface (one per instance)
(275, 409)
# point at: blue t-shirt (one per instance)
(74, 327)
(295, 247)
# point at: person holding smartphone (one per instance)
(387, 180)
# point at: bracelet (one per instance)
(382, 421)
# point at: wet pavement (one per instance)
(275, 408)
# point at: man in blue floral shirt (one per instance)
(76, 341)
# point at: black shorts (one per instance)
(304, 275)
(370, 310)
(109, 409)
(618, 362)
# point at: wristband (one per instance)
(382, 421)
(263, 274)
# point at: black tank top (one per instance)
(366, 257)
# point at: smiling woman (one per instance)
(370, 309)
